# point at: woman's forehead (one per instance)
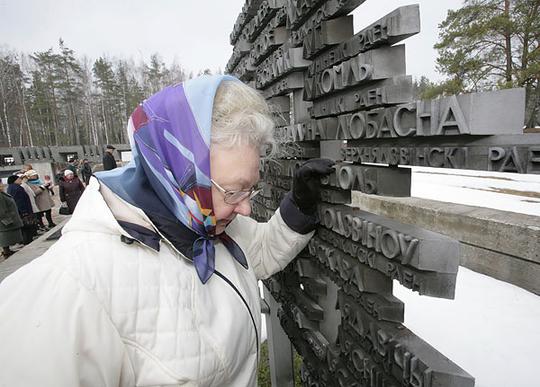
(235, 165)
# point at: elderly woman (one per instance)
(42, 195)
(154, 281)
(71, 189)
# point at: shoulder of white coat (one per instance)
(93, 259)
(94, 214)
(86, 261)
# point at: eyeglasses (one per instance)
(235, 197)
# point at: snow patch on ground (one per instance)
(491, 329)
(502, 191)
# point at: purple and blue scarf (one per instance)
(169, 174)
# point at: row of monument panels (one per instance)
(23, 154)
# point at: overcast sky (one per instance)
(196, 33)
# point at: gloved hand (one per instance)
(307, 183)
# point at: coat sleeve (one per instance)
(62, 193)
(3, 206)
(5, 217)
(56, 334)
(270, 246)
(37, 190)
(108, 162)
(23, 201)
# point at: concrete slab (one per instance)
(501, 244)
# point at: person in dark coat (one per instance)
(10, 223)
(108, 158)
(24, 207)
(86, 171)
(71, 189)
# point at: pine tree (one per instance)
(107, 92)
(47, 76)
(71, 93)
(491, 44)
(54, 98)
(155, 74)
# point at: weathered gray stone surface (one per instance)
(396, 346)
(274, 34)
(504, 267)
(469, 114)
(326, 10)
(279, 104)
(235, 58)
(382, 63)
(245, 70)
(282, 62)
(366, 269)
(302, 12)
(265, 12)
(500, 244)
(371, 179)
(389, 30)
(388, 181)
(326, 34)
(350, 269)
(387, 92)
(301, 108)
(380, 306)
(503, 153)
(465, 114)
(336, 196)
(285, 85)
(409, 245)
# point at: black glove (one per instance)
(307, 183)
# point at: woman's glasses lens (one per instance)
(238, 196)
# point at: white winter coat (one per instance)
(95, 311)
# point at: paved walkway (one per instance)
(33, 250)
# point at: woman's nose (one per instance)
(244, 207)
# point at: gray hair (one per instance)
(241, 116)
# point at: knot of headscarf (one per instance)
(204, 254)
(169, 175)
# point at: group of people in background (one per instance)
(28, 199)
(24, 203)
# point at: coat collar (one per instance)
(100, 210)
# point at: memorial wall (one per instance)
(328, 84)
(55, 154)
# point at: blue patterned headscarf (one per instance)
(169, 174)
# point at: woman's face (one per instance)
(233, 168)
